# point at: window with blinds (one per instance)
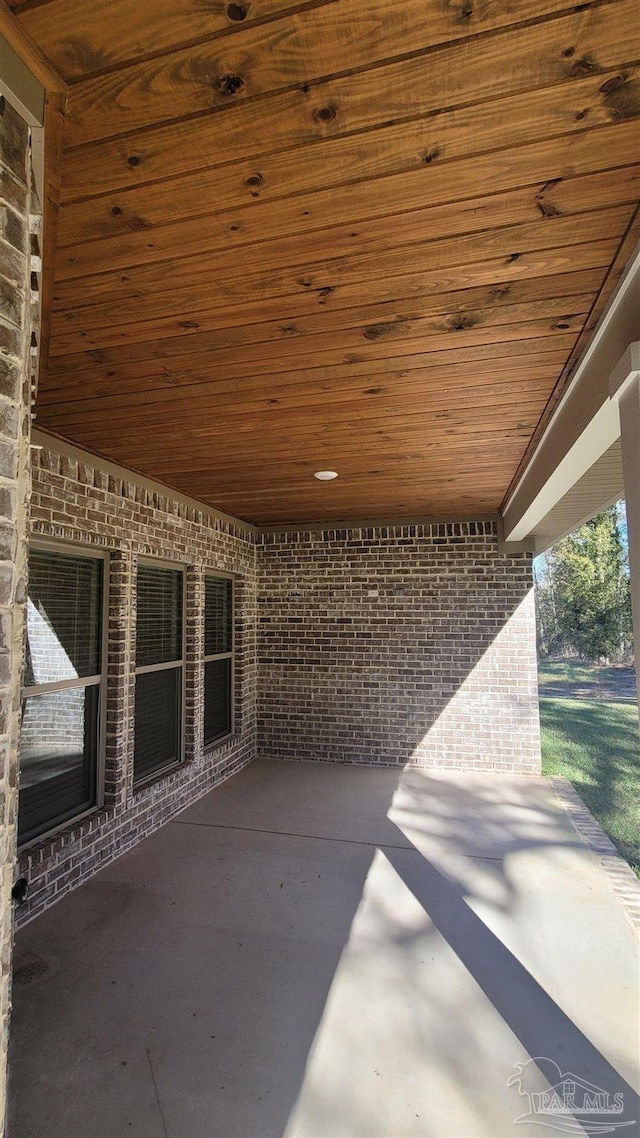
(60, 743)
(159, 670)
(218, 659)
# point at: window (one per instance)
(60, 744)
(159, 670)
(218, 658)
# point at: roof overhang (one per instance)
(576, 468)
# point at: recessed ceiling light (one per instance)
(325, 475)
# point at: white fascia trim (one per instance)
(626, 282)
(597, 437)
(601, 433)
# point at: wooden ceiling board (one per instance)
(157, 387)
(565, 109)
(89, 35)
(404, 412)
(345, 39)
(311, 217)
(375, 356)
(367, 237)
(491, 256)
(404, 335)
(529, 381)
(215, 140)
(128, 340)
(370, 323)
(548, 113)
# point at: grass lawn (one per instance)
(574, 680)
(595, 744)
(572, 671)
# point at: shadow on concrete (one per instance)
(302, 943)
(540, 1024)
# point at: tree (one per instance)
(583, 592)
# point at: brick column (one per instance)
(193, 671)
(18, 348)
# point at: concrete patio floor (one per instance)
(321, 951)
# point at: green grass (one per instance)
(593, 677)
(595, 744)
(555, 671)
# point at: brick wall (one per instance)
(81, 504)
(19, 219)
(388, 645)
(397, 644)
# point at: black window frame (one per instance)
(30, 691)
(209, 745)
(179, 664)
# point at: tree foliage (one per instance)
(583, 596)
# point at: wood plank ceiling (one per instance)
(369, 236)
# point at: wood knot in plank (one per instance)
(586, 65)
(254, 181)
(432, 153)
(623, 101)
(135, 222)
(229, 84)
(547, 208)
(462, 321)
(612, 84)
(325, 114)
(237, 12)
(375, 331)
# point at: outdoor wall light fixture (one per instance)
(325, 475)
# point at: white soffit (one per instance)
(602, 485)
(603, 428)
